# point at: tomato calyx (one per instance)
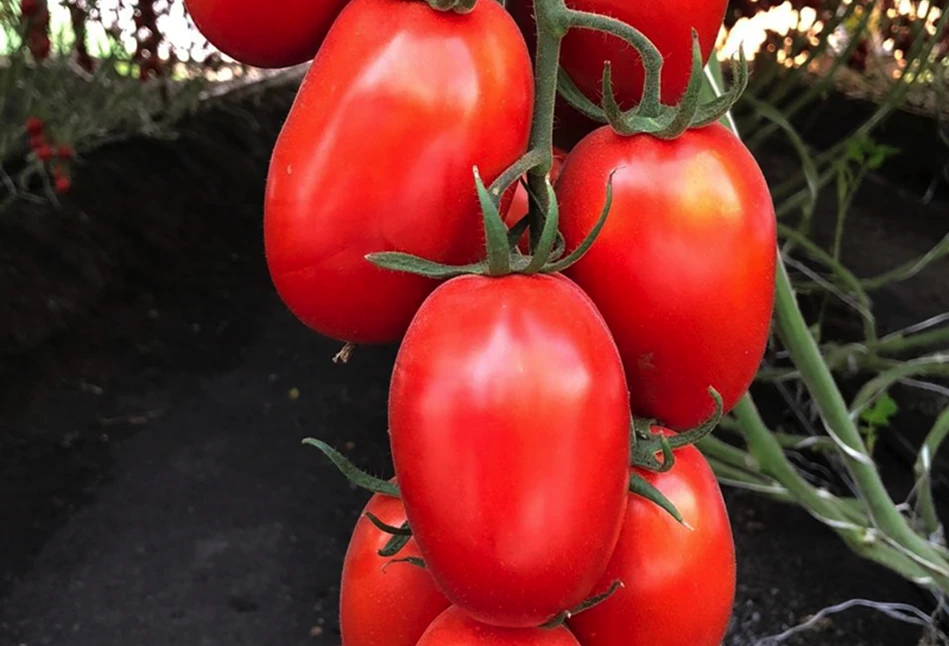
(650, 116)
(646, 444)
(503, 256)
(590, 603)
(458, 6)
(353, 473)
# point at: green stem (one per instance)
(551, 28)
(924, 496)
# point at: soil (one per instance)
(153, 485)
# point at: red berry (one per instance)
(34, 126)
(62, 183)
(43, 152)
(39, 45)
(65, 152)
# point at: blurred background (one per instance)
(154, 390)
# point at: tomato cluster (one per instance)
(531, 396)
(35, 14)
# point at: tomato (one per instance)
(377, 155)
(265, 34)
(679, 582)
(384, 603)
(509, 425)
(454, 628)
(520, 203)
(667, 24)
(684, 269)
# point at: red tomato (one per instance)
(509, 422)
(377, 155)
(667, 24)
(265, 34)
(684, 269)
(384, 603)
(455, 628)
(679, 582)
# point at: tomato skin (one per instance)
(684, 269)
(377, 155)
(679, 583)
(383, 603)
(259, 34)
(508, 417)
(455, 628)
(667, 24)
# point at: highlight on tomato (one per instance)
(377, 154)
(455, 628)
(509, 425)
(265, 34)
(385, 600)
(679, 579)
(684, 269)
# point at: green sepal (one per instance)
(388, 529)
(689, 104)
(495, 232)
(709, 113)
(548, 235)
(411, 560)
(584, 246)
(458, 6)
(641, 487)
(570, 93)
(647, 443)
(396, 543)
(561, 618)
(405, 262)
(353, 473)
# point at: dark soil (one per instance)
(153, 485)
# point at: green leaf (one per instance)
(355, 475)
(881, 413)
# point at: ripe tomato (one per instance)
(684, 268)
(667, 24)
(264, 34)
(509, 423)
(377, 155)
(455, 628)
(383, 603)
(679, 582)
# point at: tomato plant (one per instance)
(385, 603)
(454, 628)
(679, 579)
(509, 424)
(684, 270)
(410, 105)
(667, 24)
(265, 34)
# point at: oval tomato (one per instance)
(509, 423)
(667, 24)
(684, 269)
(454, 628)
(679, 582)
(377, 155)
(265, 34)
(384, 603)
